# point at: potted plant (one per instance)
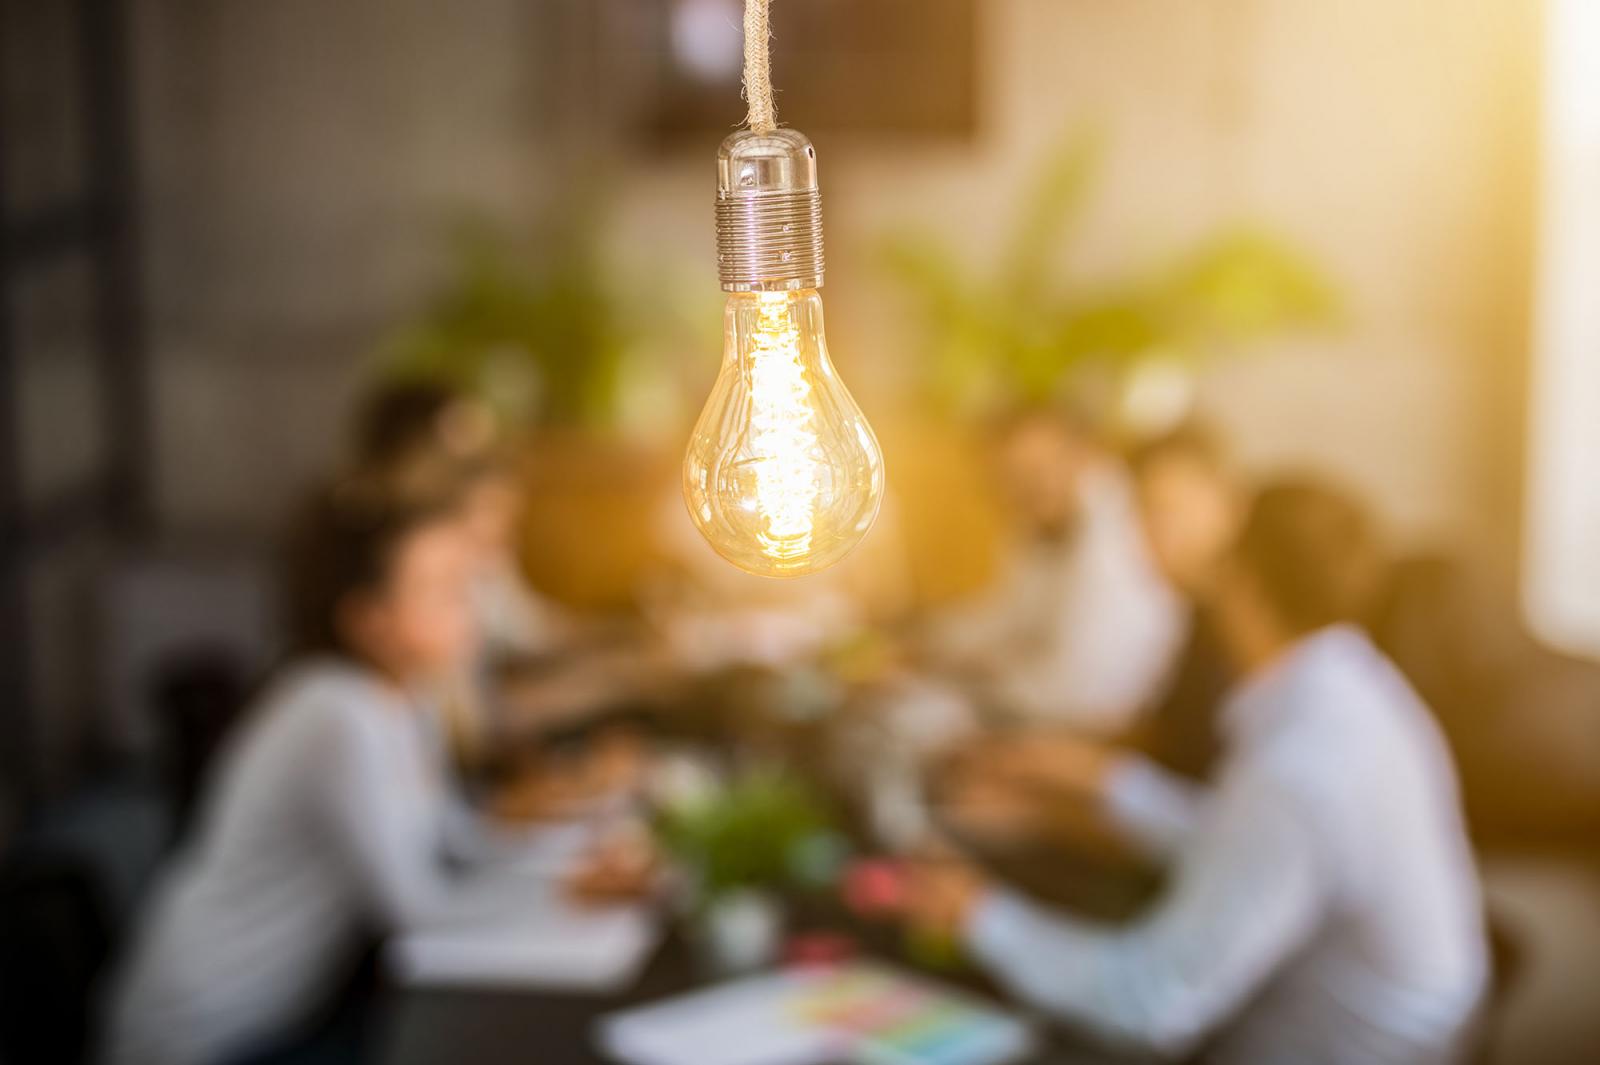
(1019, 332)
(551, 336)
(1125, 349)
(743, 845)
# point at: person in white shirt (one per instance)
(329, 818)
(1080, 629)
(1324, 905)
(1191, 502)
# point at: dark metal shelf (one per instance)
(51, 232)
(54, 519)
(101, 225)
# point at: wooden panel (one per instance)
(901, 67)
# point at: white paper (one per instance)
(542, 942)
(742, 1023)
(781, 1019)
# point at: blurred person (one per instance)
(716, 616)
(1045, 647)
(1191, 502)
(399, 419)
(1080, 628)
(1325, 907)
(328, 819)
(807, 667)
(514, 619)
(424, 432)
(538, 668)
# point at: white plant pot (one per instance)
(741, 931)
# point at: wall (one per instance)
(302, 156)
(1393, 141)
(303, 162)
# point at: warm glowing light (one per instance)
(783, 476)
(782, 437)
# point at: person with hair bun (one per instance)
(424, 437)
(538, 668)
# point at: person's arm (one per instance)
(1248, 894)
(514, 619)
(985, 632)
(385, 807)
(1155, 807)
(1045, 777)
(564, 693)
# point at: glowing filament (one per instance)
(783, 437)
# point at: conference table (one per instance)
(498, 1026)
(462, 1026)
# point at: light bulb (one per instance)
(782, 475)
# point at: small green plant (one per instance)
(1017, 332)
(762, 831)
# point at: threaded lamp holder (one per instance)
(769, 212)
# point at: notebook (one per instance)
(862, 1013)
(535, 939)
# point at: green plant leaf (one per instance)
(1058, 199)
(553, 313)
(750, 836)
(1242, 284)
(1021, 333)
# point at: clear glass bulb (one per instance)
(783, 475)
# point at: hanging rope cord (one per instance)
(763, 117)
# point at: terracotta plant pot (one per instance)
(939, 480)
(593, 508)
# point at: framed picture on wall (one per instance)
(897, 68)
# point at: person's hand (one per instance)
(988, 807)
(940, 896)
(613, 767)
(624, 868)
(541, 792)
(615, 764)
(1047, 762)
(538, 700)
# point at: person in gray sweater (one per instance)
(327, 817)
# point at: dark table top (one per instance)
(499, 1027)
(491, 1026)
(496, 1026)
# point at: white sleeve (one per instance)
(987, 629)
(1158, 808)
(1247, 895)
(1117, 624)
(513, 617)
(477, 843)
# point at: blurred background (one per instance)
(1361, 238)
